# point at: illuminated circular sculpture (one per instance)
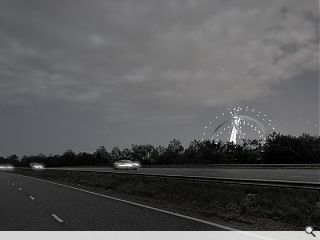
(237, 124)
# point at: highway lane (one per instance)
(304, 175)
(31, 204)
(18, 211)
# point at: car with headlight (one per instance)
(37, 166)
(6, 167)
(126, 165)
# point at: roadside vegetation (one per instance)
(278, 149)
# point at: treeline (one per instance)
(281, 149)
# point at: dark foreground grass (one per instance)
(260, 208)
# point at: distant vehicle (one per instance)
(37, 166)
(126, 165)
(6, 167)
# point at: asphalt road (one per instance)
(29, 204)
(303, 175)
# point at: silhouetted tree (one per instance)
(116, 154)
(142, 153)
(68, 158)
(173, 152)
(101, 157)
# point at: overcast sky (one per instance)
(79, 74)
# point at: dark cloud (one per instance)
(121, 72)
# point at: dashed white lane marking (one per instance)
(32, 198)
(13, 184)
(57, 218)
(20, 189)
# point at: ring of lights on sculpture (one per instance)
(232, 125)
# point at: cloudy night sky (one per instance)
(78, 74)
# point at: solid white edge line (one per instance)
(57, 218)
(156, 209)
